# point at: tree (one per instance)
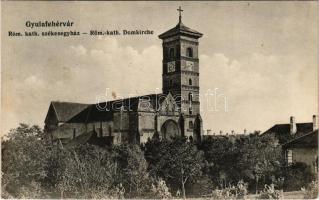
(83, 171)
(261, 158)
(24, 161)
(253, 158)
(132, 170)
(177, 161)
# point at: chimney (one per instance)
(232, 132)
(245, 131)
(293, 127)
(314, 122)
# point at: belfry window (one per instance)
(190, 82)
(190, 96)
(189, 52)
(171, 52)
(191, 125)
(289, 157)
(171, 83)
(190, 110)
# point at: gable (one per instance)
(169, 106)
(51, 117)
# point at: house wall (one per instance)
(305, 155)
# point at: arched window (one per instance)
(190, 82)
(190, 96)
(190, 110)
(189, 52)
(171, 52)
(190, 125)
(170, 82)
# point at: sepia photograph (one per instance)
(159, 99)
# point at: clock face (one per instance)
(189, 66)
(171, 67)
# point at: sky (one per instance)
(261, 56)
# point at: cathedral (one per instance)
(174, 112)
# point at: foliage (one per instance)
(269, 192)
(177, 161)
(296, 176)
(252, 158)
(232, 192)
(132, 170)
(24, 161)
(312, 190)
(34, 168)
(160, 190)
(84, 171)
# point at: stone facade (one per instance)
(138, 119)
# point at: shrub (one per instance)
(312, 190)
(232, 192)
(269, 192)
(160, 190)
(296, 176)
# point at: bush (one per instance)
(269, 192)
(232, 192)
(312, 190)
(160, 190)
(296, 176)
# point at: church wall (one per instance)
(175, 78)
(146, 126)
(121, 127)
(51, 121)
(162, 119)
(185, 45)
(67, 130)
(195, 108)
(107, 128)
(133, 126)
(189, 130)
(185, 79)
(185, 93)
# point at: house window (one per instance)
(190, 96)
(289, 157)
(191, 125)
(171, 52)
(190, 82)
(189, 52)
(316, 164)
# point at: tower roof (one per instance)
(181, 29)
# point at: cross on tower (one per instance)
(180, 13)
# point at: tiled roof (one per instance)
(66, 110)
(304, 141)
(282, 131)
(104, 111)
(180, 29)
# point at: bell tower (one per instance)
(181, 70)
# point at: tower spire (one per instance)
(180, 14)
